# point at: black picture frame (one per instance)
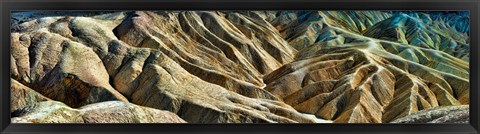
(7, 6)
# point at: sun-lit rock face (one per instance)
(443, 114)
(22, 96)
(237, 66)
(363, 83)
(61, 69)
(340, 75)
(102, 112)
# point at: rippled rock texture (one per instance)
(238, 66)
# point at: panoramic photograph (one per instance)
(245, 66)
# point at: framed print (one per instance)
(239, 66)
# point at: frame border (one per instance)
(7, 6)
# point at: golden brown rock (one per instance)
(22, 96)
(164, 84)
(177, 70)
(242, 66)
(123, 112)
(362, 84)
(79, 78)
(103, 112)
(340, 75)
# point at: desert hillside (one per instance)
(240, 67)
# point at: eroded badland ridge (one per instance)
(240, 67)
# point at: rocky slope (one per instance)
(102, 112)
(444, 114)
(236, 66)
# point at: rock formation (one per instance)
(237, 66)
(446, 114)
(102, 112)
(22, 96)
(343, 76)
